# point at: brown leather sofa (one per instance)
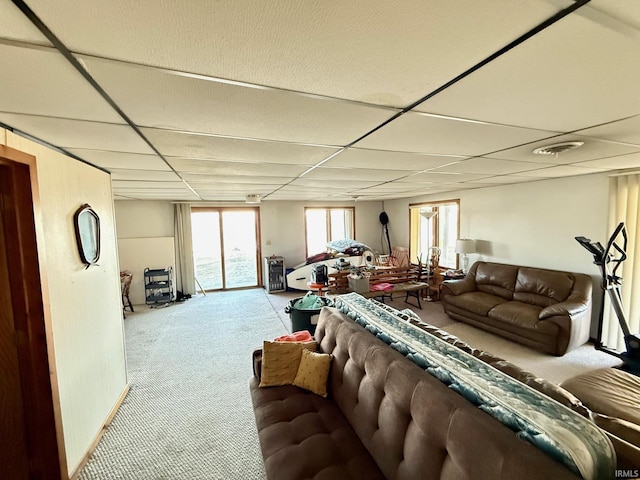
(548, 310)
(384, 417)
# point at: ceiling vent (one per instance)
(557, 148)
(253, 198)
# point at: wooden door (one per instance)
(31, 442)
(14, 461)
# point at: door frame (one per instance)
(32, 317)
(220, 210)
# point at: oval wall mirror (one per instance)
(87, 225)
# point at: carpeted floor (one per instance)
(188, 414)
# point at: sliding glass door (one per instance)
(225, 247)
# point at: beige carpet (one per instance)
(188, 414)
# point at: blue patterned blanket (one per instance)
(552, 427)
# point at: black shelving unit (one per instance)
(158, 286)
(274, 274)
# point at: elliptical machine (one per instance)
(609, 260)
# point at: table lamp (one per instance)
(465, 246)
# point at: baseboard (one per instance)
(85, 458)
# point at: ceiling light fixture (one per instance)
(557, 148)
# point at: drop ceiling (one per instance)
(289, 100)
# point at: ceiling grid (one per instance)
(318, 102)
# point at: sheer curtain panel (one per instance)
(623, 207)
(185, 277)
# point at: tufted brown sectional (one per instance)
(384, 418)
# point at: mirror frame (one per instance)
(87, 226)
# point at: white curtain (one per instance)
(624, 195)
(185, 277)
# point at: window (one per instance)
(324, 225)
(440, 229)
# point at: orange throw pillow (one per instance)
(301, 336)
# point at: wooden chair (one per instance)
(399, 257)
(125, 284)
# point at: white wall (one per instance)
(526, 224)
(136, 254)
(281, 227)
(530, 224)
(85, 308)
(144, 219)
(145, 239)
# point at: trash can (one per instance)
(304, 311)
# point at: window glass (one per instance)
(434, 225)
(323, 225)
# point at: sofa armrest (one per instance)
(576, 303)
(257, 363)
(458, 287)
(568, 308)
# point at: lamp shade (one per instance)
(428, 213)
(465, 245)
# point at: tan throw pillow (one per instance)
(313, 372)
(280, 361)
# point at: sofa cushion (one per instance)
(516, 313)
(477, 302)
(542, 287)
(610, 391)
(496, 279)
(303, 435)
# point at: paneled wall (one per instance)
(85, 305)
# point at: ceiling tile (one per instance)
(414, 132)
(626, 11)
(145, 175)
(347, 174)
(389, 160)
(120, 160)
(369, 50)
(591, 150)
(627, 131)
(179, 144)
(438, 177)
(307, 182)
(505, 179)
(142, 185)
(389, 187)
(198, 105)
(621, 162)
(162, 195)
(228, 197)
(44, 83)
(488, 166)
(15, 25)
(212, 167)
(233, 188)
(78, 134)
(561, 171)
(581, 71)
(204, 179)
